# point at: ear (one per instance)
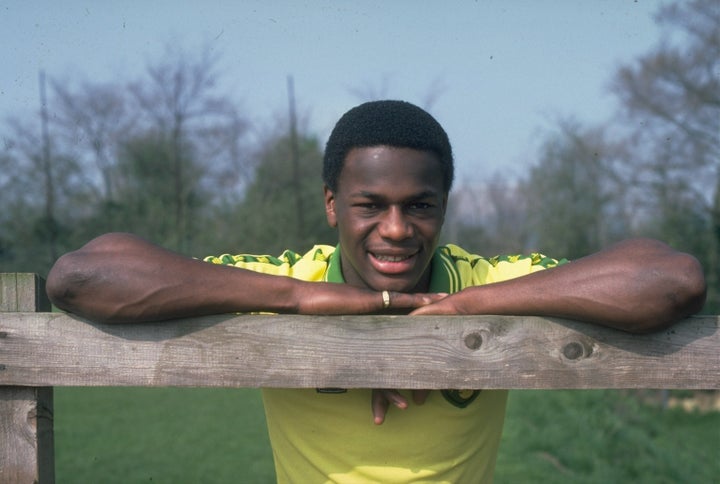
(330, 206)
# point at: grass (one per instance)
(160, 435)
(602, 436)
(170, 435)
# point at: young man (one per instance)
(388, 170)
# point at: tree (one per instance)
(154, 155)
(671, 101)
(36, 186)
(267, 221)
(146, 164)
(93, 119)
(179, 103)
(488, 218)
(574, 193)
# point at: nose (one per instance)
(394, 225)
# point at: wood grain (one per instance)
(26, 413)
(26, 425)
(22, 292)
(52, 349)
(40, 350)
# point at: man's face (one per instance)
(389, 207)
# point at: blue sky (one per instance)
(502, 71)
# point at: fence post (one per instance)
(26, 413)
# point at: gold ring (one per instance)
(386, 299)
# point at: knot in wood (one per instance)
(473, 340)
(574, 350)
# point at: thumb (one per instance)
(430, 298)
(435, 308)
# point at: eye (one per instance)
(367, 208)
(367, 205)
(420, 205)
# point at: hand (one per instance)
(329, 298)
(382, 398)
(452, 304)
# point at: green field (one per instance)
(169, 435)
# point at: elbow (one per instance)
(63, 281)
(684, 296)
(691, 286)
(73, 273)
(68, 288)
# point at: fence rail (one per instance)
(50, 349)
(41, 350)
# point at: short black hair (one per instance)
(391, 123)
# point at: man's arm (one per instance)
(638, 285)
(123, 278)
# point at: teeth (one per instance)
(391, 258)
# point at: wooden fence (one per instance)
(40, 350)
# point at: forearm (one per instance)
(122, 278)
(599, 299)
(119, 277)
(638, 285)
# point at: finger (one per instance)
(425, 311)
(426, 299)
(433, 309)
(396, 398)
(403, 300)
(381, 400)
(379, 406)
(419, 396)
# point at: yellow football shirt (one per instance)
(328, 435)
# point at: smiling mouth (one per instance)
(391, 258)
(393, 264)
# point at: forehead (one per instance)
(383, 166)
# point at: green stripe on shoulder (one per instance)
(445, 276)
(289, 257)
(536, 259)
(546, 262)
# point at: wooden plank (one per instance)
(8, 292)
(26, 420)
(356, 351)
(26, 413)
(22, 292)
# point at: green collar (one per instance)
(334, 270)
(444, 276)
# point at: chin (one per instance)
(388, 284)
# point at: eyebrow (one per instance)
(377, 196)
